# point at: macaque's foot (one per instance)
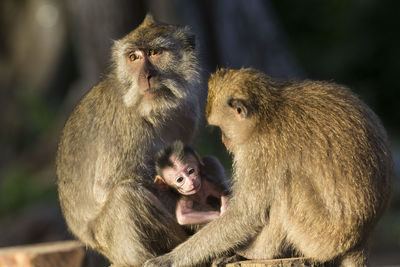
(222, 261)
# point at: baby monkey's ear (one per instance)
(160, 183)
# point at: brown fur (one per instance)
(104, 160)
(312, 172)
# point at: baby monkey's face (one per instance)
(184, 176)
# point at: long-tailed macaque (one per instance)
(312, 172)
(200, 182)
(151, 97)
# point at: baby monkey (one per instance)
(200, 183)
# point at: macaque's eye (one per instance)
(133, 57)
(191, 171)
(153, 52)
(179, 180)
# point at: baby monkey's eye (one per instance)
(179, 180)
(191, 171)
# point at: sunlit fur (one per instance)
(104, 161)
(312, 172)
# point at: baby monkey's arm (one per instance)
(185, 214)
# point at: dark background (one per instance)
(53, 51)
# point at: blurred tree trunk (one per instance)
(249, 34)
(32, 38)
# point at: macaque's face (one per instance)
(229, 108)
(151, 85)
(157, 66)
(235, 123)
(183, 176)
(143, 64)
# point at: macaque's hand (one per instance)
(163, 260)
(224, 204)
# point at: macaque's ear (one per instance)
(239, 107)
(160, 183)
(148, 20)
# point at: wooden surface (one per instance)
(289, 262)
(57, 254)
(71, 254)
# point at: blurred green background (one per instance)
(53, 51)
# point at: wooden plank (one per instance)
(60, 254)
(287, 262)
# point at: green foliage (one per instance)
(38, 114)
(19, 187)
(27, 116)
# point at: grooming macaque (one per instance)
(312, 172)
(151, 97)
(179, 167)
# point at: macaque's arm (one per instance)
(185, 214)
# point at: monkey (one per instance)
(151, 96)
(179, 167)
(312, 172)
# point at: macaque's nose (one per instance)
(149, 71)
(148, 74)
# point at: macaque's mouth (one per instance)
(160, 91)
(152, 90)
(155, 88)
